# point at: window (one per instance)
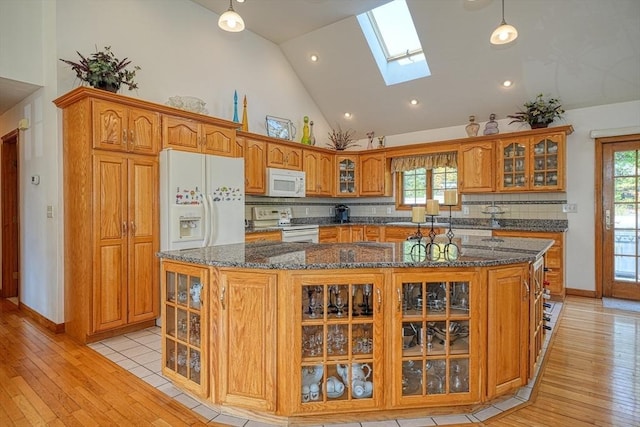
(421, 184)
(394, 42)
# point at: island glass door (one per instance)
(435, 345)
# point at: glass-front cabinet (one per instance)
(436, 344)
(534, 163)
(339, 352)
(184, 320)
(346, 179)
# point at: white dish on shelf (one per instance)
(335, 394)
(311, 374)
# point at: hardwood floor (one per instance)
(591, 378)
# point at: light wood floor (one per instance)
(591, 378)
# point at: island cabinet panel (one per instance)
(554, 280)
(334, 360)
(186, 351)
(476, 168)
(247, 341)
(507, 329)
(436, 340)
(123, 128)
(536, 313)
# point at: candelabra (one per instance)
(451, 250)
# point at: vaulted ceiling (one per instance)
(586, 52)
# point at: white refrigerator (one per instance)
(201, 200)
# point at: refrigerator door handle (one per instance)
(207, 214)
(210, 219)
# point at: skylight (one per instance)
(394, 43)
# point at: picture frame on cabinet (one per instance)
(278, 127)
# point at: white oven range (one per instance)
(279, 217)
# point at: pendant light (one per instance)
(505, 33)
(230, 20)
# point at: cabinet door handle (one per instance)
(124, 137)
(132, 139)
(399, 306)
(222, 293)
(124, 228)
(379, 293)
(133, 228)
(526, 285)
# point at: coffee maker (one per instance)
(341, 214)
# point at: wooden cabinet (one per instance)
(274, 235)
(123, 128)
(346, 177)
(531, 163)
(328, 234)
(536, 313)
(125, 234)
(186, 350)
(111, 220)
(507, 329)
(554, 258)
(247, 340)
(394, 233)
(284, 156)
(476, 167)
(337, 334)
(255, 163)
(436, 341)
(375, 176)
(356, 233)
(373, 233)
(318, 167)
(198, 137)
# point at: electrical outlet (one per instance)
(306, 211)
(373, 210)
(570, 208)
(465, 210)
(330, 211)
(389, 211)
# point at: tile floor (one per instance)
(139, 353)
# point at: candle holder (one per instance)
(449, 251)
(432, 249)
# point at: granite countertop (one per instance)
(475, 252)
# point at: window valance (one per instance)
(427, 161)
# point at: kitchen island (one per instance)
(302, 332)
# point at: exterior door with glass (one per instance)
(620, 218)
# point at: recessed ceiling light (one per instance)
(347, 115)
(314, 58)
(507, 83)
(414, 102)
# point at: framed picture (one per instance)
(280, 128)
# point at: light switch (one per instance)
(49, 211)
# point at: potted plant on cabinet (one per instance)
(103, 70)
(539, 113)
(341, 140)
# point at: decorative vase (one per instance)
(312, 137)
(473, 127)
(245, 119)
(491, 128)
(305, 131)
(539, 125)
(110, 87)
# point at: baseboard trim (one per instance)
(56, 328)
(581, 293)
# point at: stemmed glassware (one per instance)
(366, 291)
(339, 303)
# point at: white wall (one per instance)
(21, 20)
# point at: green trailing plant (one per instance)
(539, 112)
(104, 71)
(341, 140)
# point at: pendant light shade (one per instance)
(231, 21)
(505, 33)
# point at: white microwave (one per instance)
(285, 183)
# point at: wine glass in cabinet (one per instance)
(435, 352)
(339, 354)
(184, 314)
